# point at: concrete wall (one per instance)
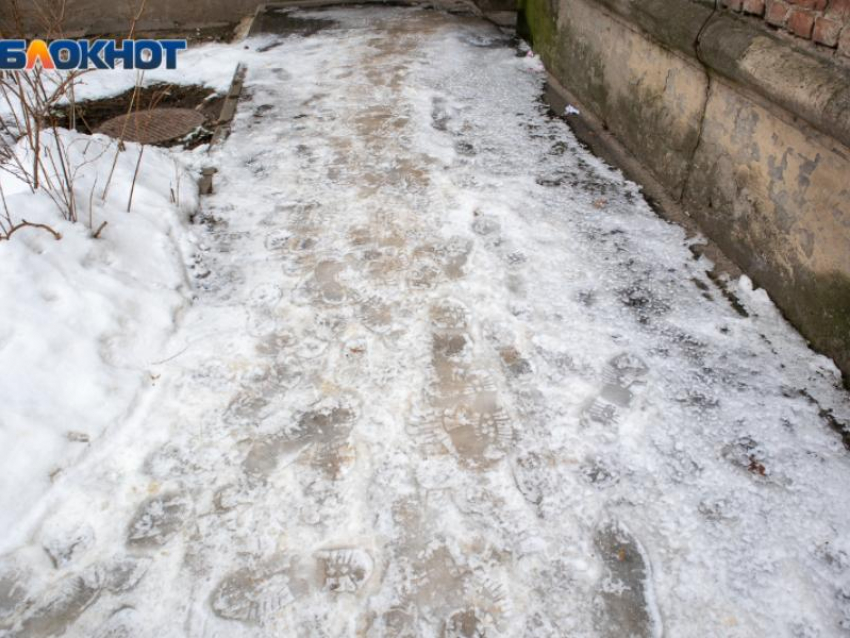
(750, 134)
(114, 16)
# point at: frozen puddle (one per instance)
(446, 375)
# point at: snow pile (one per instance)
(82, 317)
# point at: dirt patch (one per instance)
(91, 114)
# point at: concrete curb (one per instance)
(223, 125)
(228, 108)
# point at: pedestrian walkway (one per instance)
(447, 375)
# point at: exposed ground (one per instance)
(446, 374)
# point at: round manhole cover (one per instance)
(153, 126)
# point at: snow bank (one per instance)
(82, 317)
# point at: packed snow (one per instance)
(444, 373)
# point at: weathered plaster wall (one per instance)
(777, 194)
(750, 134)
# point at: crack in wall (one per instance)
(680, 196)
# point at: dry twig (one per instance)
(25, 224)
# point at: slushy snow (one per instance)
(444, 373)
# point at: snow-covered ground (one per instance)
(83, 319)
(446, 374)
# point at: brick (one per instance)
(826, 32)
(839, 9)
(754, 7)
(777, 13)
(844, 41)
(814, 5)
(801, 23)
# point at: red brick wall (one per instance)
(825, 22)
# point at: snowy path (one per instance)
(447, 375)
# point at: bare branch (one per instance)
(25, 224)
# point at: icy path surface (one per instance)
(447, 375)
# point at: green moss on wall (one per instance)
(538, 24)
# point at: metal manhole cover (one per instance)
(153, 126)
